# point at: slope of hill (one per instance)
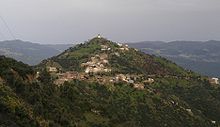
(105, 85)
(202, 57)
(116, 57)
(30, 53)
(14, 77)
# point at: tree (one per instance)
(45, 77)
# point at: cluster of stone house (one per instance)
(97, 64)
(123, 47)
(124, 78)
(131, 80)
(67, 76)
(105, 48)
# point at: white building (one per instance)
(214, 81)
(214, 122)
(52, 69)
(99, 36)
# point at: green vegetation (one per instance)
(172, 66)
(90, 104)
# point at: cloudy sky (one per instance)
(68, 21)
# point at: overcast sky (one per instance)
(68, 21)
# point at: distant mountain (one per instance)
(202, 57)
(59, 47)
(30, 53)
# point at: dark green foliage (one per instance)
(13, 110)
(45, 77)
(7, 63)
(92, 104)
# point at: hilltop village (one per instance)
(97, 68)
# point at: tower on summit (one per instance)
(99, 36)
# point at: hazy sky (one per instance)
(68, 21)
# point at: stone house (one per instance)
(52, 69)
(149, 80)
(139, 86)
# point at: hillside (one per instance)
(15, 77)
(202, 57)
(29, 53)
(105, 84)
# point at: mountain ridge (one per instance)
(28, 52)
(202, 57)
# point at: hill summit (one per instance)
(107, 60)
